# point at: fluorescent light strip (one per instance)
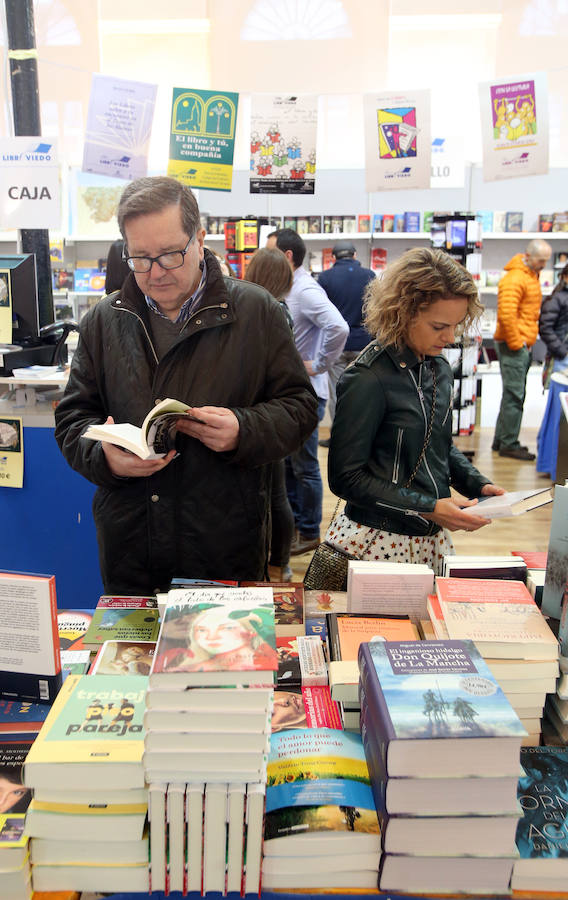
(154, 26)
(453, 22)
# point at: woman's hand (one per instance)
(491, 490)
(448, 513)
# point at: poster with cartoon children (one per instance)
(283, 144)
(514, 120)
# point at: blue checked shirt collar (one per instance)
(190, 304)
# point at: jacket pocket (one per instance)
(397, 453)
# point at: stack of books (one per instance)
(346, 631)
(321, 828)
(535, 561)
(15, 873)
(556, 709)
(541, 835)
(442, 746)
(511, 634)
(87, 819)
(208, 720)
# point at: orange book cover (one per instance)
(348, 631)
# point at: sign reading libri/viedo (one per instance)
(514, 126)
(202, 138)
(29, 183)
(397, 140)
(119, 124)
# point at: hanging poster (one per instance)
(514, 126)
(283, 144)
(11, 452)
(202, 138)
(119, 124)
(397, 140)
(29, 183)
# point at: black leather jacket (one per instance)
(553, 323)
(206, 514)
(383, 406)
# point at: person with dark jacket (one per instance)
(345, 285)
(391, 455)
(553, 323)
(179, 329)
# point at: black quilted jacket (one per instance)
(206, 515)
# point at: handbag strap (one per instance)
(428, 434)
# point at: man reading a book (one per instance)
(178, 328)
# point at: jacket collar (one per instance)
(346, 261)
(131, 297)
(403, 357)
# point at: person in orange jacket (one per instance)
(518, 307)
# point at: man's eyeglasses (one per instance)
(172, 260)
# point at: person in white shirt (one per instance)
(320, 333)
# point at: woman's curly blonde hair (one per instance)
(412, 283)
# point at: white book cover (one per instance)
(157, 822)
(214, 837)
(235, 835)
(254, 826)
(176, 836)
(389, 588)
(194, 837)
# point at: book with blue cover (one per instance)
(318, 795)
(21, 716)
(438, 710)
(542, 832)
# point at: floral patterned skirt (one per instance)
(369, 543)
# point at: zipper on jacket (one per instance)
(422, 404)
(397, 451)
(136, 316)
(450, 405)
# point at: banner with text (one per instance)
(514, 126)
(202, 138)
(397, 140)
(448, 162)
(283, 144)
(11, 452)
(29, 183)
(119, 124)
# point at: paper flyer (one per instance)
(11, 452)
(397, 140)
(119, 124)
(283, 144)
(29, 183)
(202, 138)
(514, 126)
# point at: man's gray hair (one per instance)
(155, 193)
(538, 247)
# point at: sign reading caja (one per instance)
(29, 183)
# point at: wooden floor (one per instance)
(526, 532)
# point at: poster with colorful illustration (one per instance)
(11, 452)
(202, 138)
(283, 144)
(119, 124)
(397, 140)
(514, 126)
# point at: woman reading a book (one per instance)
(391, 452)
(217, 640)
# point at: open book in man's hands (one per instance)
(512, 503)
(154, 439)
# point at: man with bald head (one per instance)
(518, 307)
